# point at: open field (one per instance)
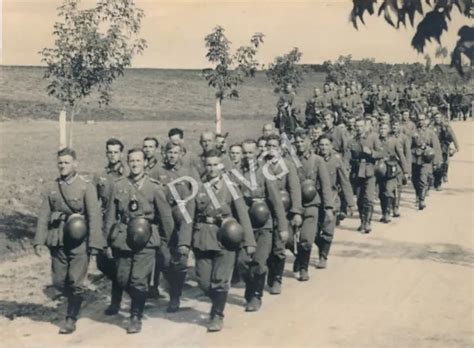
(407, 284)
(144, 94)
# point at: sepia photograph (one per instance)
(236, 173)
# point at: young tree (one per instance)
(285, 71)
(230, 70)
(92, 48)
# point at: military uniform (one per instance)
(313, 168)
(290, 183)
(340, 186)
(199, 163)
(104, 183)
(446, 136)
(214, 263)
(152, 165)
(254, 268)
(362, 175)
(423, 138)
(407, 127)
(72, 195)
(405, 142)
(395, 161)
(131, 199)
(170, 259)
(313, 109)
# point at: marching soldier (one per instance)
(214, 258)
(449, 145)
(426, 152)
(338, 136)
(104, 182)
(340, 186)
(288, 182)
(267, 213)
(137, 217)
(365, 151)
(317, 201)
(402, 179)
(406, 124)
(394, 162)
(70, 225)
(314, 106)
(174, 249)
(414, 98)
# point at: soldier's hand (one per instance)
(108, 253)
(183, 250)
(297, 220)
(251, 250)
(284, 235)
(329, 215)
(39, 250)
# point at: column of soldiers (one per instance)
(237, 209)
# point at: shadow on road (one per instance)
(437, 252)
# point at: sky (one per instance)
(175, 31)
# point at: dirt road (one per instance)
(407, 284)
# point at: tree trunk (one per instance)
(62, 129)
(218, 116)
(71, 125)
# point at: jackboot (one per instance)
(324, 248)
(396, 205)
(176, 280)
(279, 267)
(256, 298)
(271, 264)
(219, 300)
(73, 308)
(421, 201)
(116, 299)
(136, 311)
(304, 264)
(384, 201)
(369, 210)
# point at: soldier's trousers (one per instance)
(69, 269)
(256, 264)
(388, 188)
(325, 234)
(441, 171)
(364, 189)
(214, 269)
(420, 177)
(134, 269)
(174, 267)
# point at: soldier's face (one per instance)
(149, 148)
(350, 123)
(176, 139)
(66, 165)
(328, 120)
(406, 116)
(173, 155)
(437, 118)
(315, 133)
(325, 147)
(207, 142)
(273, 148)
(317, 92)
(359, 127)
(395, 127)
(348, 91)
(136, 163)
(213, 167)
(235, 154)
(301, 144)
(262, 146)
(114, 155)
(249, 152)
(267, 130)
(326, 88)
(383, 130)
(220, 143)
(421, 120)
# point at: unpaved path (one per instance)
(407, 284)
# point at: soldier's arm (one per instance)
(94, 218)
(344, 184)
(452, 137)
(274, 197)
(401, 157)
(407, 152)
(437, 148)
(164, 212)
(110, 214)
(43, 221)
(377, 149)
(243, 217)
(294, 189)
(325, 184)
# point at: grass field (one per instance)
(144, 94)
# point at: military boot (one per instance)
(219, 299)
(116, 299)
(136, 311)
(323, 254)
(421, 202)
(304, 264)
(368, 218)
(176, 289)
(256, 299)
(385, 212)
(73, 308)
(279, 267)
(396, 205)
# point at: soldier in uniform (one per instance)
(327, 96)
(288, 182)
(150, 149)
(208, 142)
(317, 201)
(235, 154)
(174, 249)
(314, 106)
(395, 162)
(449, 145)
(70, 225)
(413, 96)
(339, 139)
(104, 182)
(176, 136)
(402, 179)
(214, 261)
(267, 129)
(340, 186)
(357, 101)
(365, 150)
(261, 192)
(406, 124)
(221, 143)
(262, 147)
(137, 218)
(314, 133)
(426, 152)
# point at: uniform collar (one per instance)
(68, 179)
(307, 154)
(174, 167)
(151, 163)
(137, 181)
(116, 168)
